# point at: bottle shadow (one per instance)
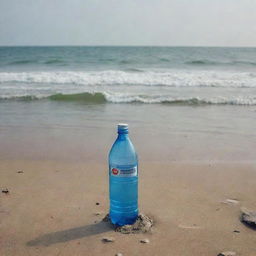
(70, 234)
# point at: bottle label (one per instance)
(130, 172)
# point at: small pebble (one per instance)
(119, 254)
(144, 241)
(229, 253)
(108, 239)
(97, 203)
(5, 190)
(97, 213)
(19, 171)
(236, 231)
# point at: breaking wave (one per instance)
(171, 78)
(107, 97)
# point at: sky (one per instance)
(128, 22)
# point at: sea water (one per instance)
(194, 103)
(173, 75)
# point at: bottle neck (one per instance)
(123, 135)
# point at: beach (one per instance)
(51, 209)
(191, 115)
(57, 171)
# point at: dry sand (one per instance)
(51, 209)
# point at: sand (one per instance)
(51, 209)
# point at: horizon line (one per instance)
(108, 45)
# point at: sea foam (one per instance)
(171, 78)
(115, 86)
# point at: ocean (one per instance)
(182, 103)
(175, 75)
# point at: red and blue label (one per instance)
(130, 172)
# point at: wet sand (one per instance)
(51, 209)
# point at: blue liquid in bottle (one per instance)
(123, 179)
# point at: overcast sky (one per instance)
(128, 22)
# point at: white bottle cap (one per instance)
(122, 126)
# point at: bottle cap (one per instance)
(122, 126)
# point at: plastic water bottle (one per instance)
(123, 179)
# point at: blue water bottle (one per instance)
(123, 179)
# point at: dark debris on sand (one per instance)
(248, 217)
(5, 190)
(108, 239)
(143, 224)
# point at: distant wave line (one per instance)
(201, 62)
